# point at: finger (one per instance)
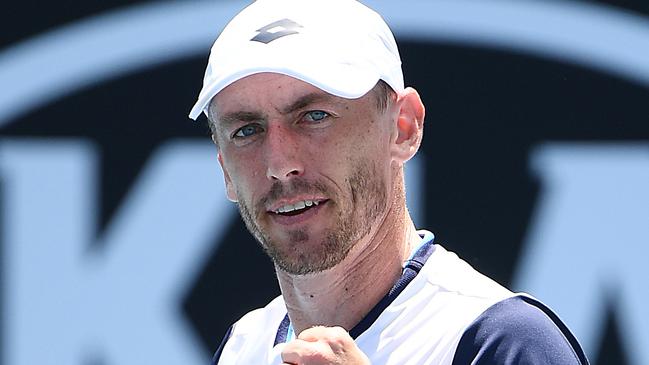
(317, 333)
(312, 334)
(336, 338)
(304, 352)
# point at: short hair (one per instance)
(384, 95)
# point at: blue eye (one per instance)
(316, 115)
(246, 131)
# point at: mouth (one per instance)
(296, 208)
(290, 213)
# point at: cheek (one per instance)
(370, 142)
(245, 178)
(243, 174)
(364, 158)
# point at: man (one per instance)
(313, 125)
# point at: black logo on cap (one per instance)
(276, 30)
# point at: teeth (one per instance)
(297, 206)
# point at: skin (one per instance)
(280, 141)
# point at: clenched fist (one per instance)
(323, 346)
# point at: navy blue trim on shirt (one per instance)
(282, 331)
(409, 272)
(518, 330)
(217, 354)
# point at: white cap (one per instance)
(339, 46)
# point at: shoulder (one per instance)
(445, 270)
(518, 330)
(426, 320)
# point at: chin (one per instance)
(302, 257)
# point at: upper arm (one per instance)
(518, 330)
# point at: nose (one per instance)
(284, 160)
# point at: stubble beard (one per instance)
(298, 256)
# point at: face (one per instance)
(311, 172)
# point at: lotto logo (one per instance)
(276, 30)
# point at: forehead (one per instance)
(265, 90)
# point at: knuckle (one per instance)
(311, 333)
(339, 339)
(339, 331)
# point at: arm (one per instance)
(518, 330)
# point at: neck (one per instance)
(344, 294)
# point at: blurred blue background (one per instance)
(118, 247)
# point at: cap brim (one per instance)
(342, 80)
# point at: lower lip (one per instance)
(288, 220)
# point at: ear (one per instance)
(409, 125)
(229, 188)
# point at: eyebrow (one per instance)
(251, 116)
(305, 101)
(239, 116)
